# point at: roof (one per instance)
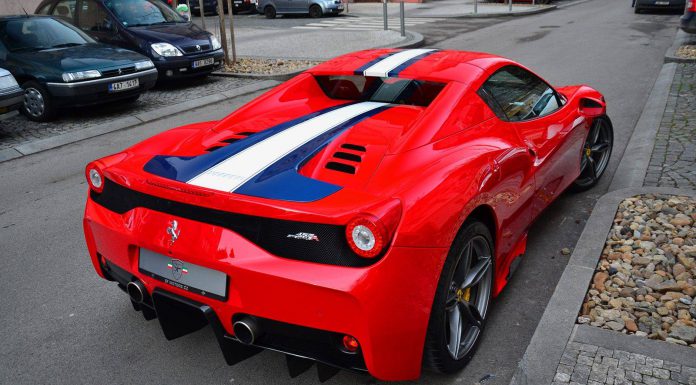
(434, 65)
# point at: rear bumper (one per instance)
(385, 306)
(688, 22)
(97, 91)
(653, 4)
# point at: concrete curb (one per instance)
(554, 331)
(126, 122)
(540, 9)
(636, 157)
(412, 40)
(680, 39)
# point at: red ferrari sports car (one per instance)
(360, 216)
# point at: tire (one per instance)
(593, 164)
(315, 11)
(131, 99)
(38, 104)
(269, 12)
(637, 9)
(453, 301)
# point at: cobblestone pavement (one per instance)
(593, 365)
(673, 161)
(19, 130)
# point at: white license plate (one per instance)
(203, 62)
(662, 3)
(124, 85)
(184, 275)
(340, 6)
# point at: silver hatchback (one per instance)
(315, 8)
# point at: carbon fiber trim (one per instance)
(273, 235)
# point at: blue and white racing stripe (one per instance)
(265, 164)
(393, 63)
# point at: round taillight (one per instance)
(95, 178)
(366, 236)
(350, 344)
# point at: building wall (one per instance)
(14, 7)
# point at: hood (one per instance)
(179, 35)
(82, 58)
(291, 153)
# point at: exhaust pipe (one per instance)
(136, 290)
(246, 330)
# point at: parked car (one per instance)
(688, 20)
(178, 47)
(670, 5)
(361, 215)
(315, 8)
(11, 95)
(210, 6)
(58, 65)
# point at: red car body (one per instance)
(418, 171)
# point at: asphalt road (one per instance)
(61, 324)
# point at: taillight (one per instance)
(95, 177)
(366, 236)
(691, 6)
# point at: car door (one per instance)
(92, 18)
(553, 134)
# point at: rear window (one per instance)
(376, 89)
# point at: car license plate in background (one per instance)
(203, 62)
(340, 6)
(184, 275)
(124, 85)
(662, 3)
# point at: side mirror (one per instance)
(591, 107)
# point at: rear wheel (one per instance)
(315, 11)
(37, 105)
(461, 302)
(269, 12)
(595, 154)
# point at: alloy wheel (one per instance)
(468, 297)
(596, 152)
(34, 103)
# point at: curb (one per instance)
(680, 39)
(539, 9)
(40, 145)
(557, 325)
(412, 40)
(636, 157)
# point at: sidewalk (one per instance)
(624, 311)
(448, 9)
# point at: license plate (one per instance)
(124, 85)
(203, 62)
(340, 6)
(662, 3)
(184, 275)
(237, 3)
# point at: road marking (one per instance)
(365, 23)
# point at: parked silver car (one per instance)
(315, 8)
(11, 95)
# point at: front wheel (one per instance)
(269, 12)
(595, 153)
(315, 11)
(458, 314)
(38, 105)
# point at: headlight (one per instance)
(165, 49)
(215, 43)
(80, 75)
(8, 82)
(144, 65)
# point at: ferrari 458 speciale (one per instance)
(359, 216)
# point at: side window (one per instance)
(518, 95)
(93, 18)
(65, 9)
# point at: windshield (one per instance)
(387, 90)
(134, 13)
(39, 33)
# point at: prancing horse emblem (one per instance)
(173, 231)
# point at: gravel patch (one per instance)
(687, 52)
(260, 66)
(645, 279)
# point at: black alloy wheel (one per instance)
(595, 153)
(461, 302)
(315, 11)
